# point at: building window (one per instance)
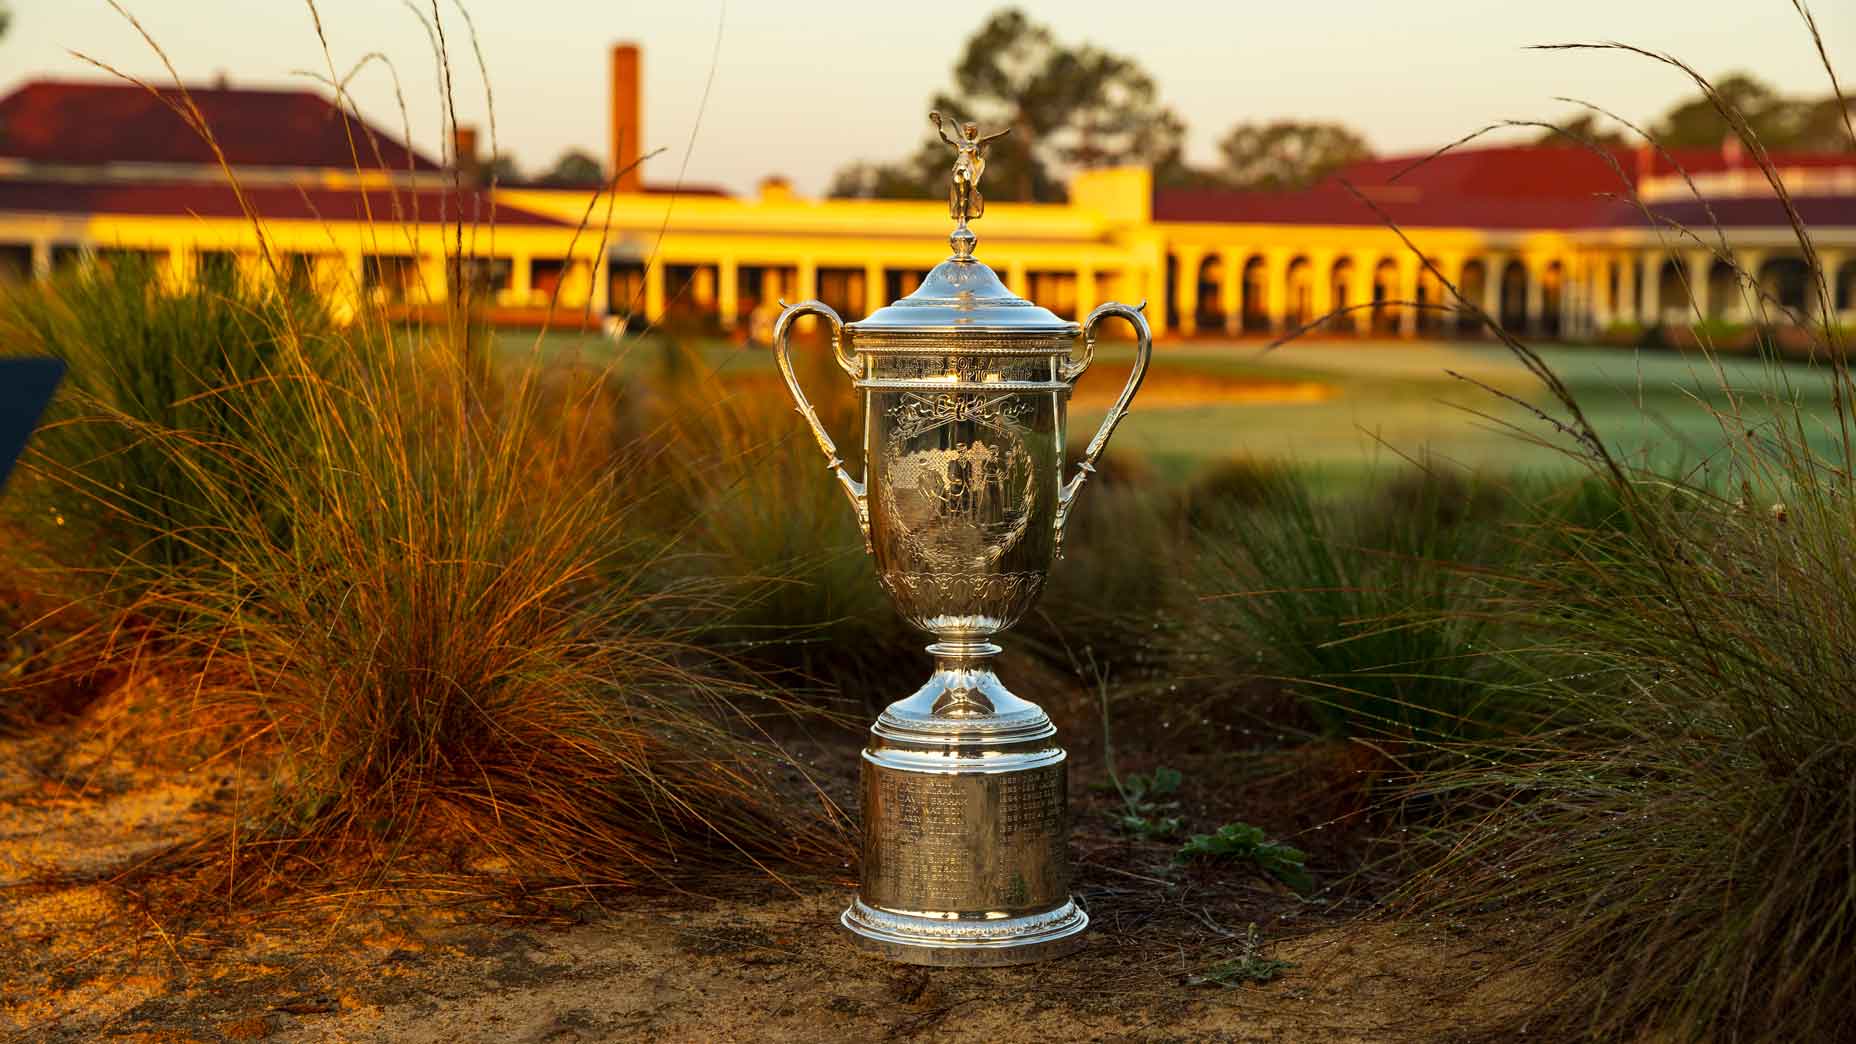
(216, 268)
(15, 263)
(478, 275)
(389, 277)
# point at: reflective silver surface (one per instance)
(963, 505)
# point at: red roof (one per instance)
(1499, 187)
(83, 124)
(275, 202)
(1817, 212)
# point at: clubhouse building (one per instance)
(1556, 242)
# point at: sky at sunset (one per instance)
(735, 91)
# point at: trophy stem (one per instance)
(963, 675)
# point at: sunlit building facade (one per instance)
(1556, 242)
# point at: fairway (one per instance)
(1343, 408)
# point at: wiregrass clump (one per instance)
(458, 647)
(1690, 835)
(154, 356)
(408, 588)
(1372, 612)
(1679, 833)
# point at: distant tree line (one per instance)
(1077, 106)
(1782, 124)
(1074, 107)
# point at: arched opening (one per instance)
(1474, 285)
(1385, 291)
(690, 297)
(1787, 281)
(1432, 298)
(1843, 286)
(1171, 305)
(1340, 280)
(1211, 307)
(625, 291)
(1723, 291)
(1514, 297)
(1054, 289)
(1299, 293)
(1256, 294)
(1552, 298)
(1671, 293)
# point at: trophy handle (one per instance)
(782, 353)
(1144, 350)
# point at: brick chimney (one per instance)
(1733, 152)
(627, 124)
(464, 152)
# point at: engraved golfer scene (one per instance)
(835, 522)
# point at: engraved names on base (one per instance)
(965, 842)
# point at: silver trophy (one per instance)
(963, 504)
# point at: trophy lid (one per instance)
(962, 293)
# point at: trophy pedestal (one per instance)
(965, 825)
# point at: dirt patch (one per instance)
(86, 959)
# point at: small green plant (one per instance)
(1250, 965)
(1141, 804)
(1241, 842)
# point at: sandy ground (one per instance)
(83, 961)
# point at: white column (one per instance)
(1494, 267)
(41, 258)
(1700, 266)
(1597, 294)
(435, 278)
(600, 292)
(1407, 291)
(1830, 263)
(727, 291)
(654, 291)
(1536, 294)
(1749, 306)
(1443, 309)
(1360, 292)
(1627, 300)
(1320, 286)
(1186, 289)
(1085, 292)
(875, 288)
(182, 261)
(522, 278)
(1231, 290)
(1275, 288)
(1572, 294)
(1652, 287)
(805, 288)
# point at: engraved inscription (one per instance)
(928, 811)
(965, 842)
(1031, 801)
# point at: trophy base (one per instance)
(939, 943)
(965, 825)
